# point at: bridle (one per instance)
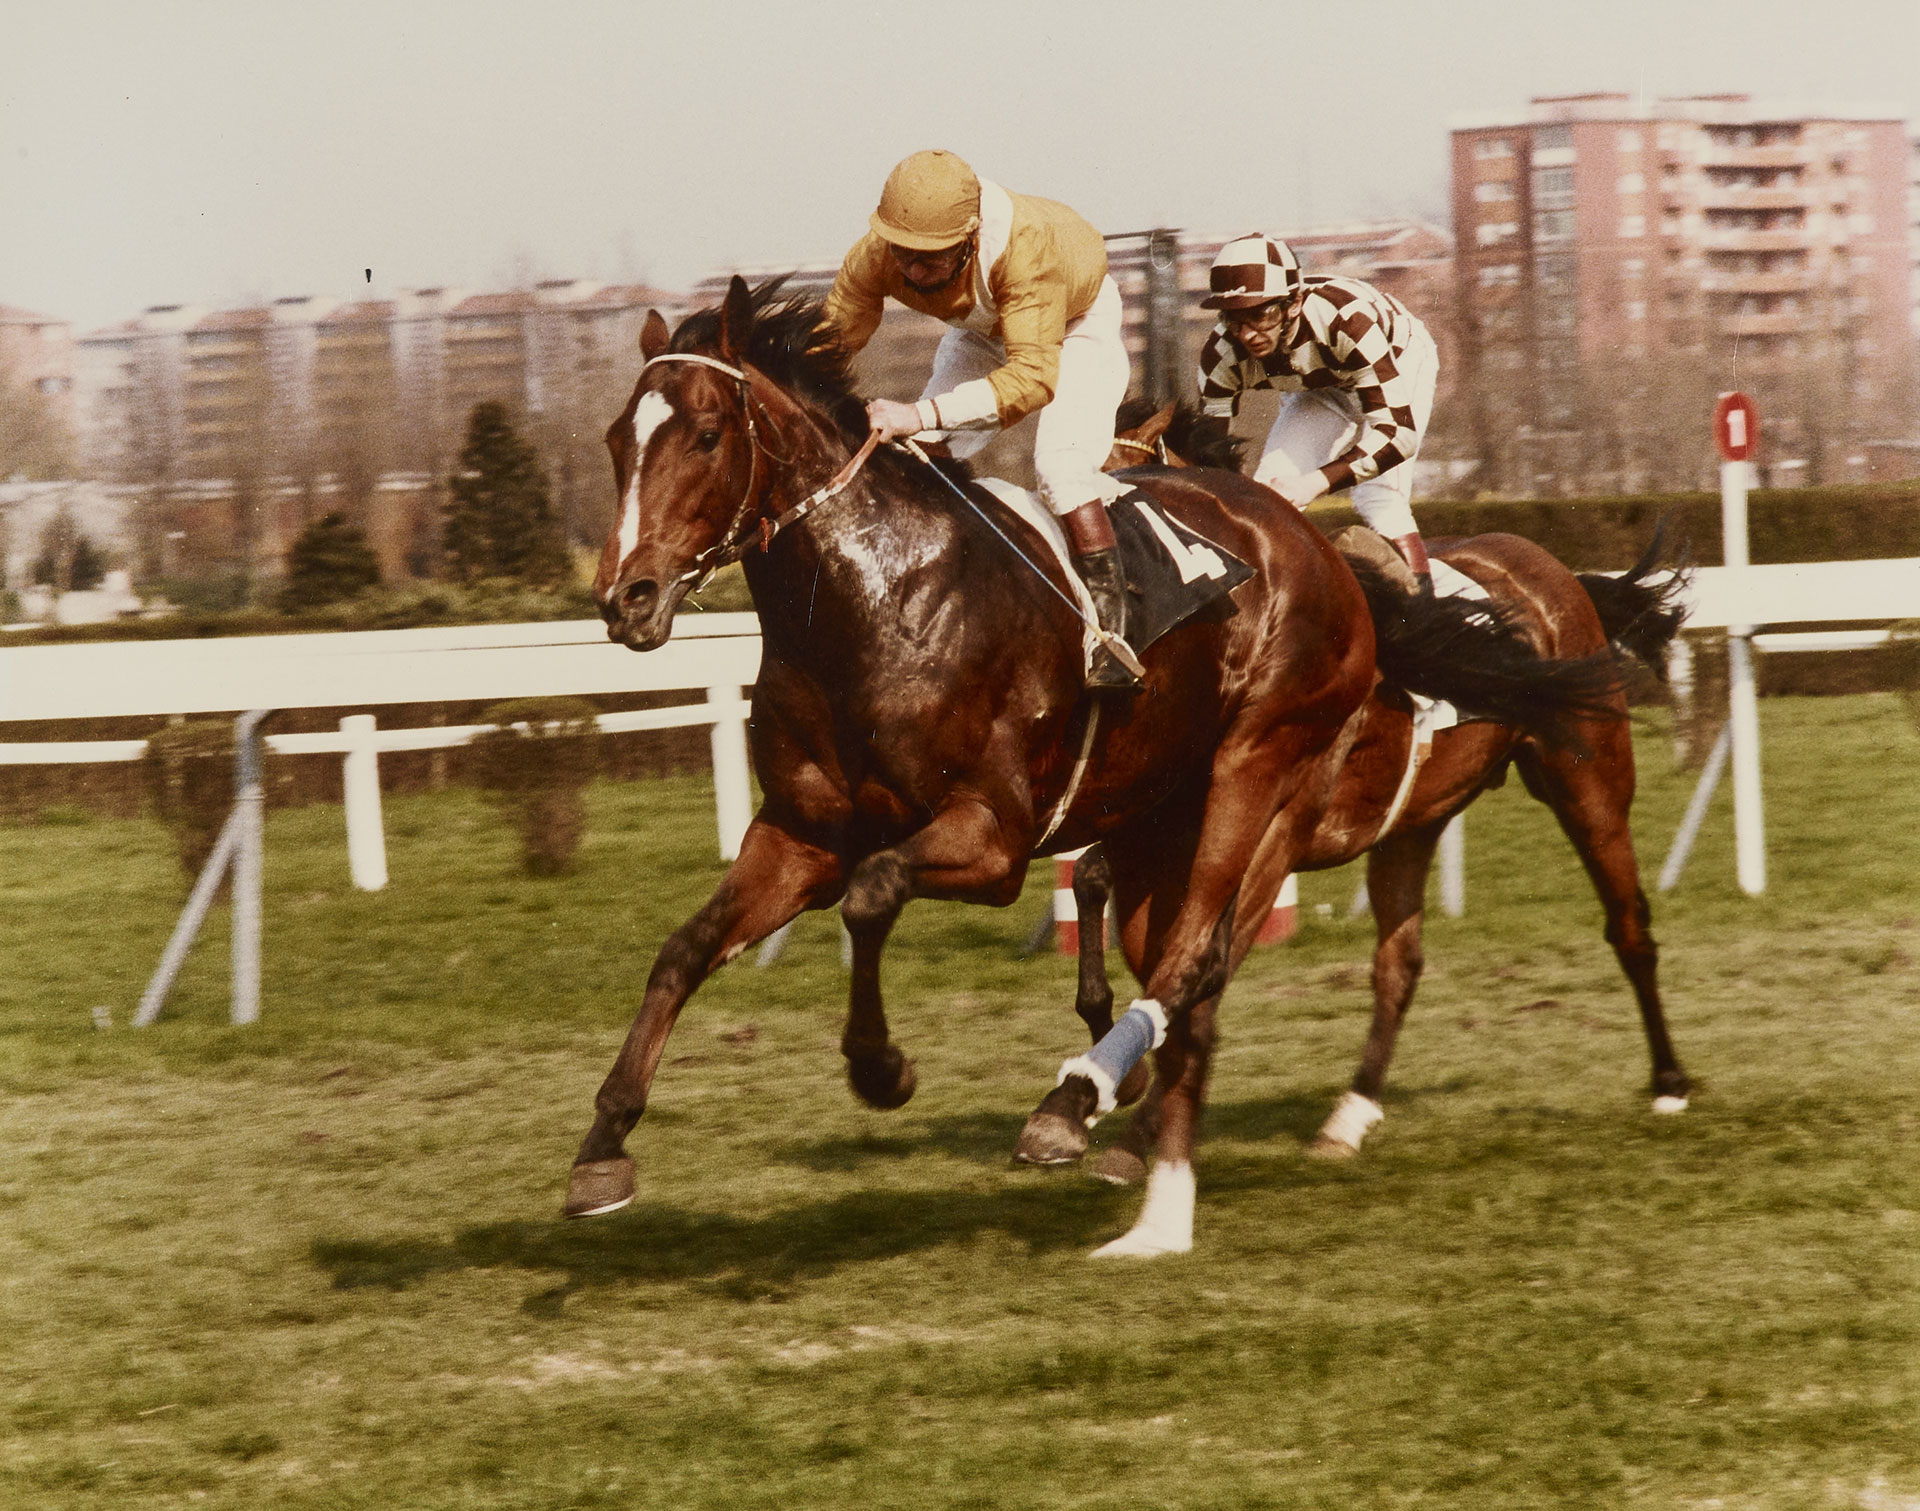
(1158, 450)
(739, 537)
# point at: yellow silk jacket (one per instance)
(1037, 266)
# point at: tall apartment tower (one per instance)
(1621, 262)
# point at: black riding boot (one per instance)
(1096, 557)
(1100, 571)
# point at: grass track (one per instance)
(315, 1263)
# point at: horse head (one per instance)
(689, 473)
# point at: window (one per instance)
(1500, 275)
(1488, 235)
(1636, 309)
(1628, 140)
(1632, 226)
(1553, 183)
(1631, 183)
(1492, 147)
(1633, 267)
(1553, 225)
(1553, 138)
(1490, 193)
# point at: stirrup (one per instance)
(1114, 666)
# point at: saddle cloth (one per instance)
(1171, 572)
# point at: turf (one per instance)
(316, 1263)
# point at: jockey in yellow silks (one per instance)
(1034, 324)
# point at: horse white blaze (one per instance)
(649, 415)
(1166, 1222)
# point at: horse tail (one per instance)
(1471, 654)
(1639, 616)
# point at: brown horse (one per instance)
(1395, 817)
(920, 716)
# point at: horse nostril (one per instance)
(638, 595)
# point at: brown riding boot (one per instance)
(1096, 557)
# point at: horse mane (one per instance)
(1194, 435)
(795, 345)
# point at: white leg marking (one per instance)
(1166, 1222)
(1669, 1105)
(649, 415)
(1352, 1119)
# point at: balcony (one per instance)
(1719, 155)
(1778, 323)
(1756, 241)
(1756, 283)
(1740, 197)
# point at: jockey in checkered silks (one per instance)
(1034, 324)
(1356, 372)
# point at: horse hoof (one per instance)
(1669, 1105)
(1056, 1134)
(1133, 1085)
(886, 1080)
(1118, 1167)
(598, 1186)
(1323, 1147)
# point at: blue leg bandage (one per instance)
(1142, 1027)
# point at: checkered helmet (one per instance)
(1252, 270)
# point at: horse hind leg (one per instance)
(1396, 888)
(1591, 799)
(1093, 1001)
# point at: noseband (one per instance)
(736, 541)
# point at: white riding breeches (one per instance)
(1075, 432)
(1315, 425)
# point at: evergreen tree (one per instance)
(329, 561)
(500, 522)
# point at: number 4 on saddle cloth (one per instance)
(1172, 573)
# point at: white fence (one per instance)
(717, 654)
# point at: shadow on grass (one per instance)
(747, 1255)
(739, 1255)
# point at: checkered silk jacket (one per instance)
(1351, 336)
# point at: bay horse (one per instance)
(920, 718)
(1395, 817)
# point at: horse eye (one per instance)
(707, 439)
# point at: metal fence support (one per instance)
(241, 849)
(1696, 813)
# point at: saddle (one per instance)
(1172, 573)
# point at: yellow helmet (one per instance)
(931, 201)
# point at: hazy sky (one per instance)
(210, 153)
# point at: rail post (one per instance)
(732, 792)
(360, 794)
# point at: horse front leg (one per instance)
(1397, 891)
(776, 876)
(962, 853)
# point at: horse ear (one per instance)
(736, 320)
(653, 336)
(1157, 424)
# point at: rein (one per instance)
(736, 541)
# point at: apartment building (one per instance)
(1621, 262)
(36, 352)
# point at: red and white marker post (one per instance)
(1736, 430)
(1281, 923)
